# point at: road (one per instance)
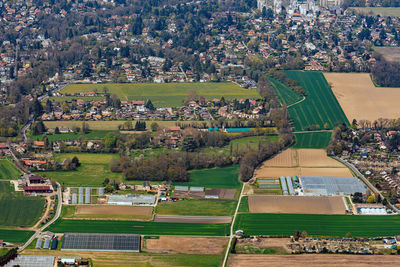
(232, 235)
(365, 180)
(56, 216)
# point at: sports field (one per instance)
(8, 170)
(318, 225)
(197, 207)
(361, 100)
(15, 236)
(383, 11)
(137, 227)
(312, 140)
(165, 94)
(92, 172)
(16, 209)
(226, 177)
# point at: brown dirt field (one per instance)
(298, 171)
(361, 100)
(187, 245)
(227, 193)
(287, 158)
(114, 210)
(313, 260)
(296, 204)
(316, 158)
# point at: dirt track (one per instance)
(189, 245)
(296, 204)
(313, 260)
(361, 100)
(114, 210)
(192, 219)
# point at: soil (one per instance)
(297, 204)
(189, 245)
(114, 210)
(313, 260)
(316, 158)
(361, 100)
(298, 171)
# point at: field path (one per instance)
(298, 102)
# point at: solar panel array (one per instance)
(87, 195)
(290, 185)
(101, 242)
(283, 184)
(321, 185)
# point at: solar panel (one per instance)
(101, 242)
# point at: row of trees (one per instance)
(281, 76)
(386, 73)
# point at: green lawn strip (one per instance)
(92, 135)
(15, 236)
(8, 170)
(244, 204)
(197, 207)
(138, 227)
(226, 177)
(186, 260)
(318, 225)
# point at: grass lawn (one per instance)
(93, 171)
(312, 140)
(197, 207)
(16, 209)
(318, 225)
(70, 98)
(166, 94)
(8, 170)
(15, 236)
(226, 177)
(244, 204)
(137, 227)
(92, 135)
(383, 11)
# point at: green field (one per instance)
(166, 94)
(318, 225)
(92, 172)
(284, 93)
(15, 236)
(92, 135)
(244, 204)
(312, 140)
(137, 227)
(16, 209)
(383, 11)
(197, 207)
(8, 170)
(226, 177)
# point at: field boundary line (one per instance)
(298, 102)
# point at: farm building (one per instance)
(331, 186)
(134, 200)
(101, 242)
(32, 260)
(37, 189)
(36, 180)
(181, 188)
(196, 189)
(371, 209)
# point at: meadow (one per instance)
(318, 225)
(383, 11)
(165, 94)
(15, 236)
(226, 177)
(244, 204)
(93, 171)
(8, 170)
(16, 209)
(137, 227)
(312, 140)
(92, 135)
(196, 207)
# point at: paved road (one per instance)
(56, 216)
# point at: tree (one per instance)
(189, 144)
(106, 182)
(57, 130)
(154, 126)
(75, 161)
(110, 140)
(149, 105)
(85, 128)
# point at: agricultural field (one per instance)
(284, 93)
(311, 260)
(112, 125)
(92, 172)
(196, 207)
(124, 259)
(226, 177)
(108, 212)
(390, 53)
(317, 224)
(296, 204)
(15, 236)
(137, 227)
(16, 209)
(92, 135)
(244, 204)
(312, 140)
(8, 170)
(383, 11)
(301, 162)
(361, 100)
(165, 94)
